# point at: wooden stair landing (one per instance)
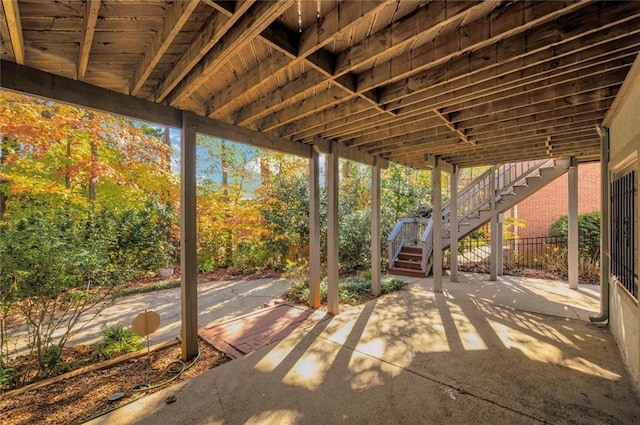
(249, 332)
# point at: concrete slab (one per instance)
(413, 357)
(216, 300)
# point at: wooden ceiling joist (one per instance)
(176, 18)
(14, 24)
(208, 37)
(467, 38)
(90, 19)
(472, 82)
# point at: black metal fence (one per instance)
(546, 254)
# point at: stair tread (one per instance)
(406, 272)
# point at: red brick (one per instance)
(544, 207)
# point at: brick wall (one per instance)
(544, 207)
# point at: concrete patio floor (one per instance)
(417, 357)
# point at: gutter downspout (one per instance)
(604, 227)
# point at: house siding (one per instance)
(624, 135)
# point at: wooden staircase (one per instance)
(409, 262)
(410, 243)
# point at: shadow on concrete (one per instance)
(413, 357)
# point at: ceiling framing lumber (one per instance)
(176, 18)
(247, 27)
(470, 82)
(90, 19)
(208, 37)
(12, 18)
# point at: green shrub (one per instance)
(391, 284)
(588, 232)
(6, 377)
(118, 339)
(353, 290)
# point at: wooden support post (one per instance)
(375, 228)
(453, 224)
(500, 251)
(604, 226)
(333, 178)
(314, 230)
(188, 257)
(493, 261)
(436, 182)
(573, 225)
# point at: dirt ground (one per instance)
(78, 399)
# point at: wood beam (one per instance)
(90, 19)
(344, 18)
(238, 134)
(509, 131)
(281, 98)
(569, 51)
(32, 81)
(514, 19)
(586, 91)
(422, 26)
(506, 145)
(248, 27)
(539, 45)
(314, 125)
(5, 35)
(12, 15)
(178, 15)
(604, 71)
(209, 35)
(324, 99)
(561, 69)
(581, 140)
(28, 80)
(452, 127)
(223, 101)
(352, 154)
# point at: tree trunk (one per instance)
(94, 171)
(265, 171)
(3, 194)
(224, 165)
(67, 171)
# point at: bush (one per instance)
(118, 339)
(588, 232)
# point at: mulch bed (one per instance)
(78, 399)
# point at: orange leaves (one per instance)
(51, 147)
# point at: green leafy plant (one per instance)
(353, 290)
(588, 232)
(6, 377)
(118, 339)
